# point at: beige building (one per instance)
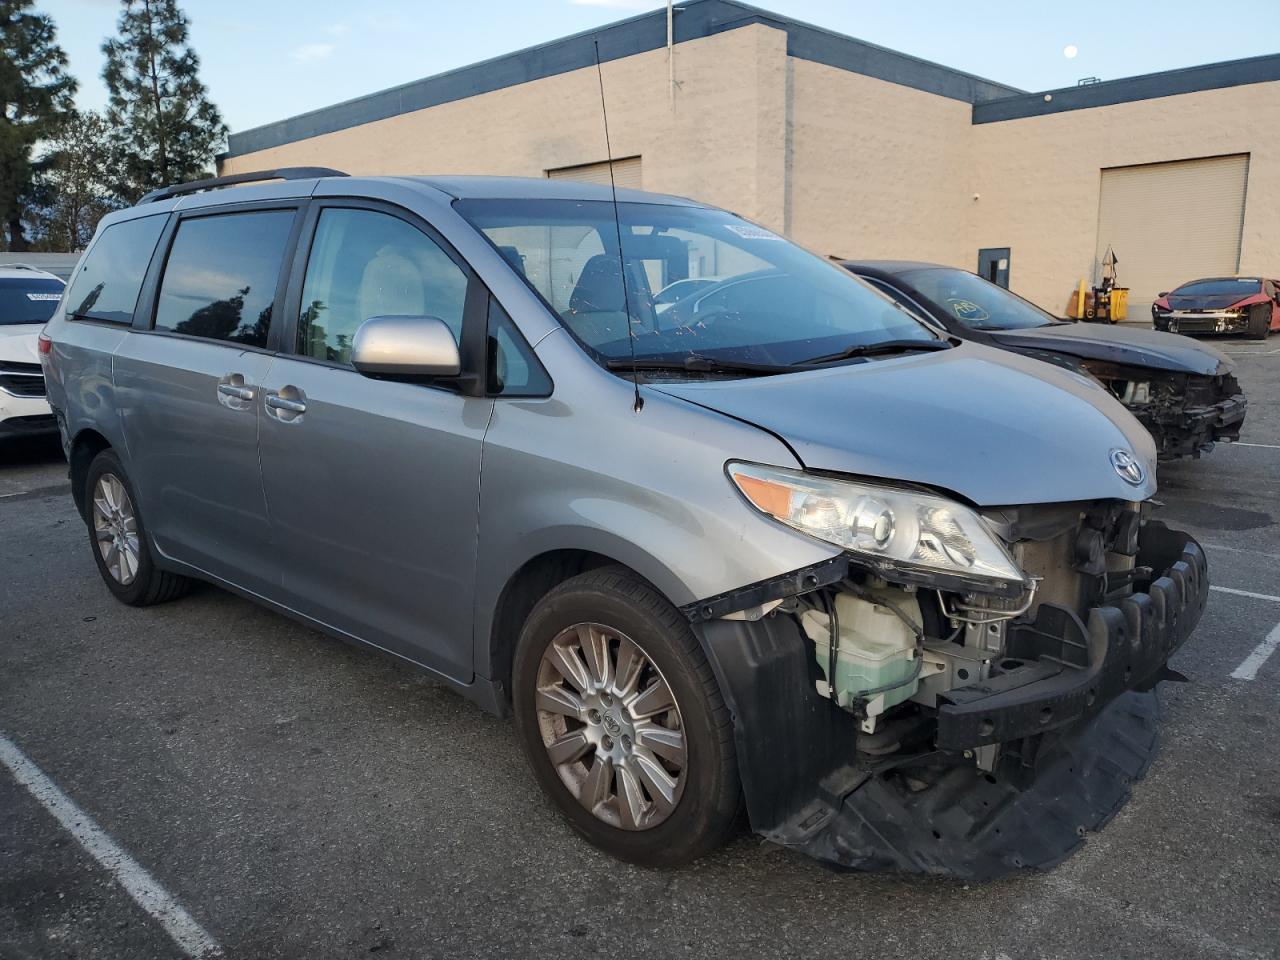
(852, 149)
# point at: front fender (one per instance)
(647, 490)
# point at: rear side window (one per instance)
(107, 284)
(221, 276)
(28, 300)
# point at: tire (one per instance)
(615, 613)
(1259, 321)
(113, 521)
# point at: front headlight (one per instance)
(904, 528)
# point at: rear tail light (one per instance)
(46, 345)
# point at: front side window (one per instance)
(690, 280)
(367, 264)
(107, 284)
(221, 276)
(976, 303)
(28, 299)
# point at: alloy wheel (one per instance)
(611, 726)
(115, 528)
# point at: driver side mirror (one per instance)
(405, 348)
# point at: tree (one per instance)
(166, 129)
(35, 98)
(75, 185)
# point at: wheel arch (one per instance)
(85, 446)
(498, 623)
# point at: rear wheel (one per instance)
(1259, 321)
(119, 540)
(622, 721)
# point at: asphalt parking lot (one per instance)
(296, 797)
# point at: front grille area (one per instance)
(1083, 553)
(21, 379)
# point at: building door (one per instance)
(626, 173)
(1171, 222)
(993, 265)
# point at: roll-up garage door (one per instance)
(626, 173)
(1171, 222)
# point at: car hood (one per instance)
(992, 426)
(19, 342)
(1135, 346)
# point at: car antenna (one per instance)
(617, 226)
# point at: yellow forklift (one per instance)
(1105, 303)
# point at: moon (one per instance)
(1070, 51)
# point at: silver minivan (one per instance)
(757, 542)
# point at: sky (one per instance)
(272, 59)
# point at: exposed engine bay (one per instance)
(902, 645)
(925, 705)
(1184, 413)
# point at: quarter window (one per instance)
(221, 277)
(513, 369)
(107, 284)
(367, 264)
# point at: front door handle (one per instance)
(277, 402)
(286, 405)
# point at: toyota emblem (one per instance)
(1128, 467)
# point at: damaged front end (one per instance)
(1185, 413)
(888, 719)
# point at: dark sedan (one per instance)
(1183, 392)
(1248, 305)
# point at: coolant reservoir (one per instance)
(876, 647)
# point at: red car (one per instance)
(1248, 305)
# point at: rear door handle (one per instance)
(278, 402)
(235, 391)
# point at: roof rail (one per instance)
(214, 183)
(19, 266)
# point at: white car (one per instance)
(28, 298)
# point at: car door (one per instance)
(373, 486)
(187, 380)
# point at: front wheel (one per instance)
(622, 721)
(1259, 321)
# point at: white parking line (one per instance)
(146, 891)
(1265, 446)
(1248, 670)
(1213, 547)
(1246, 593)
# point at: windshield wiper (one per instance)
(696, 363)
(873, 349)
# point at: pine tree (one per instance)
(35, 97)
(166, 129)
(76, 184)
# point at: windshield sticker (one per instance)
(749, 232)
(44, 297)
(967, 310)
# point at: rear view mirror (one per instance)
(405, 348)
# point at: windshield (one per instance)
(975, 302)
(698, 282)
(28, 300)
(1236, 286)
